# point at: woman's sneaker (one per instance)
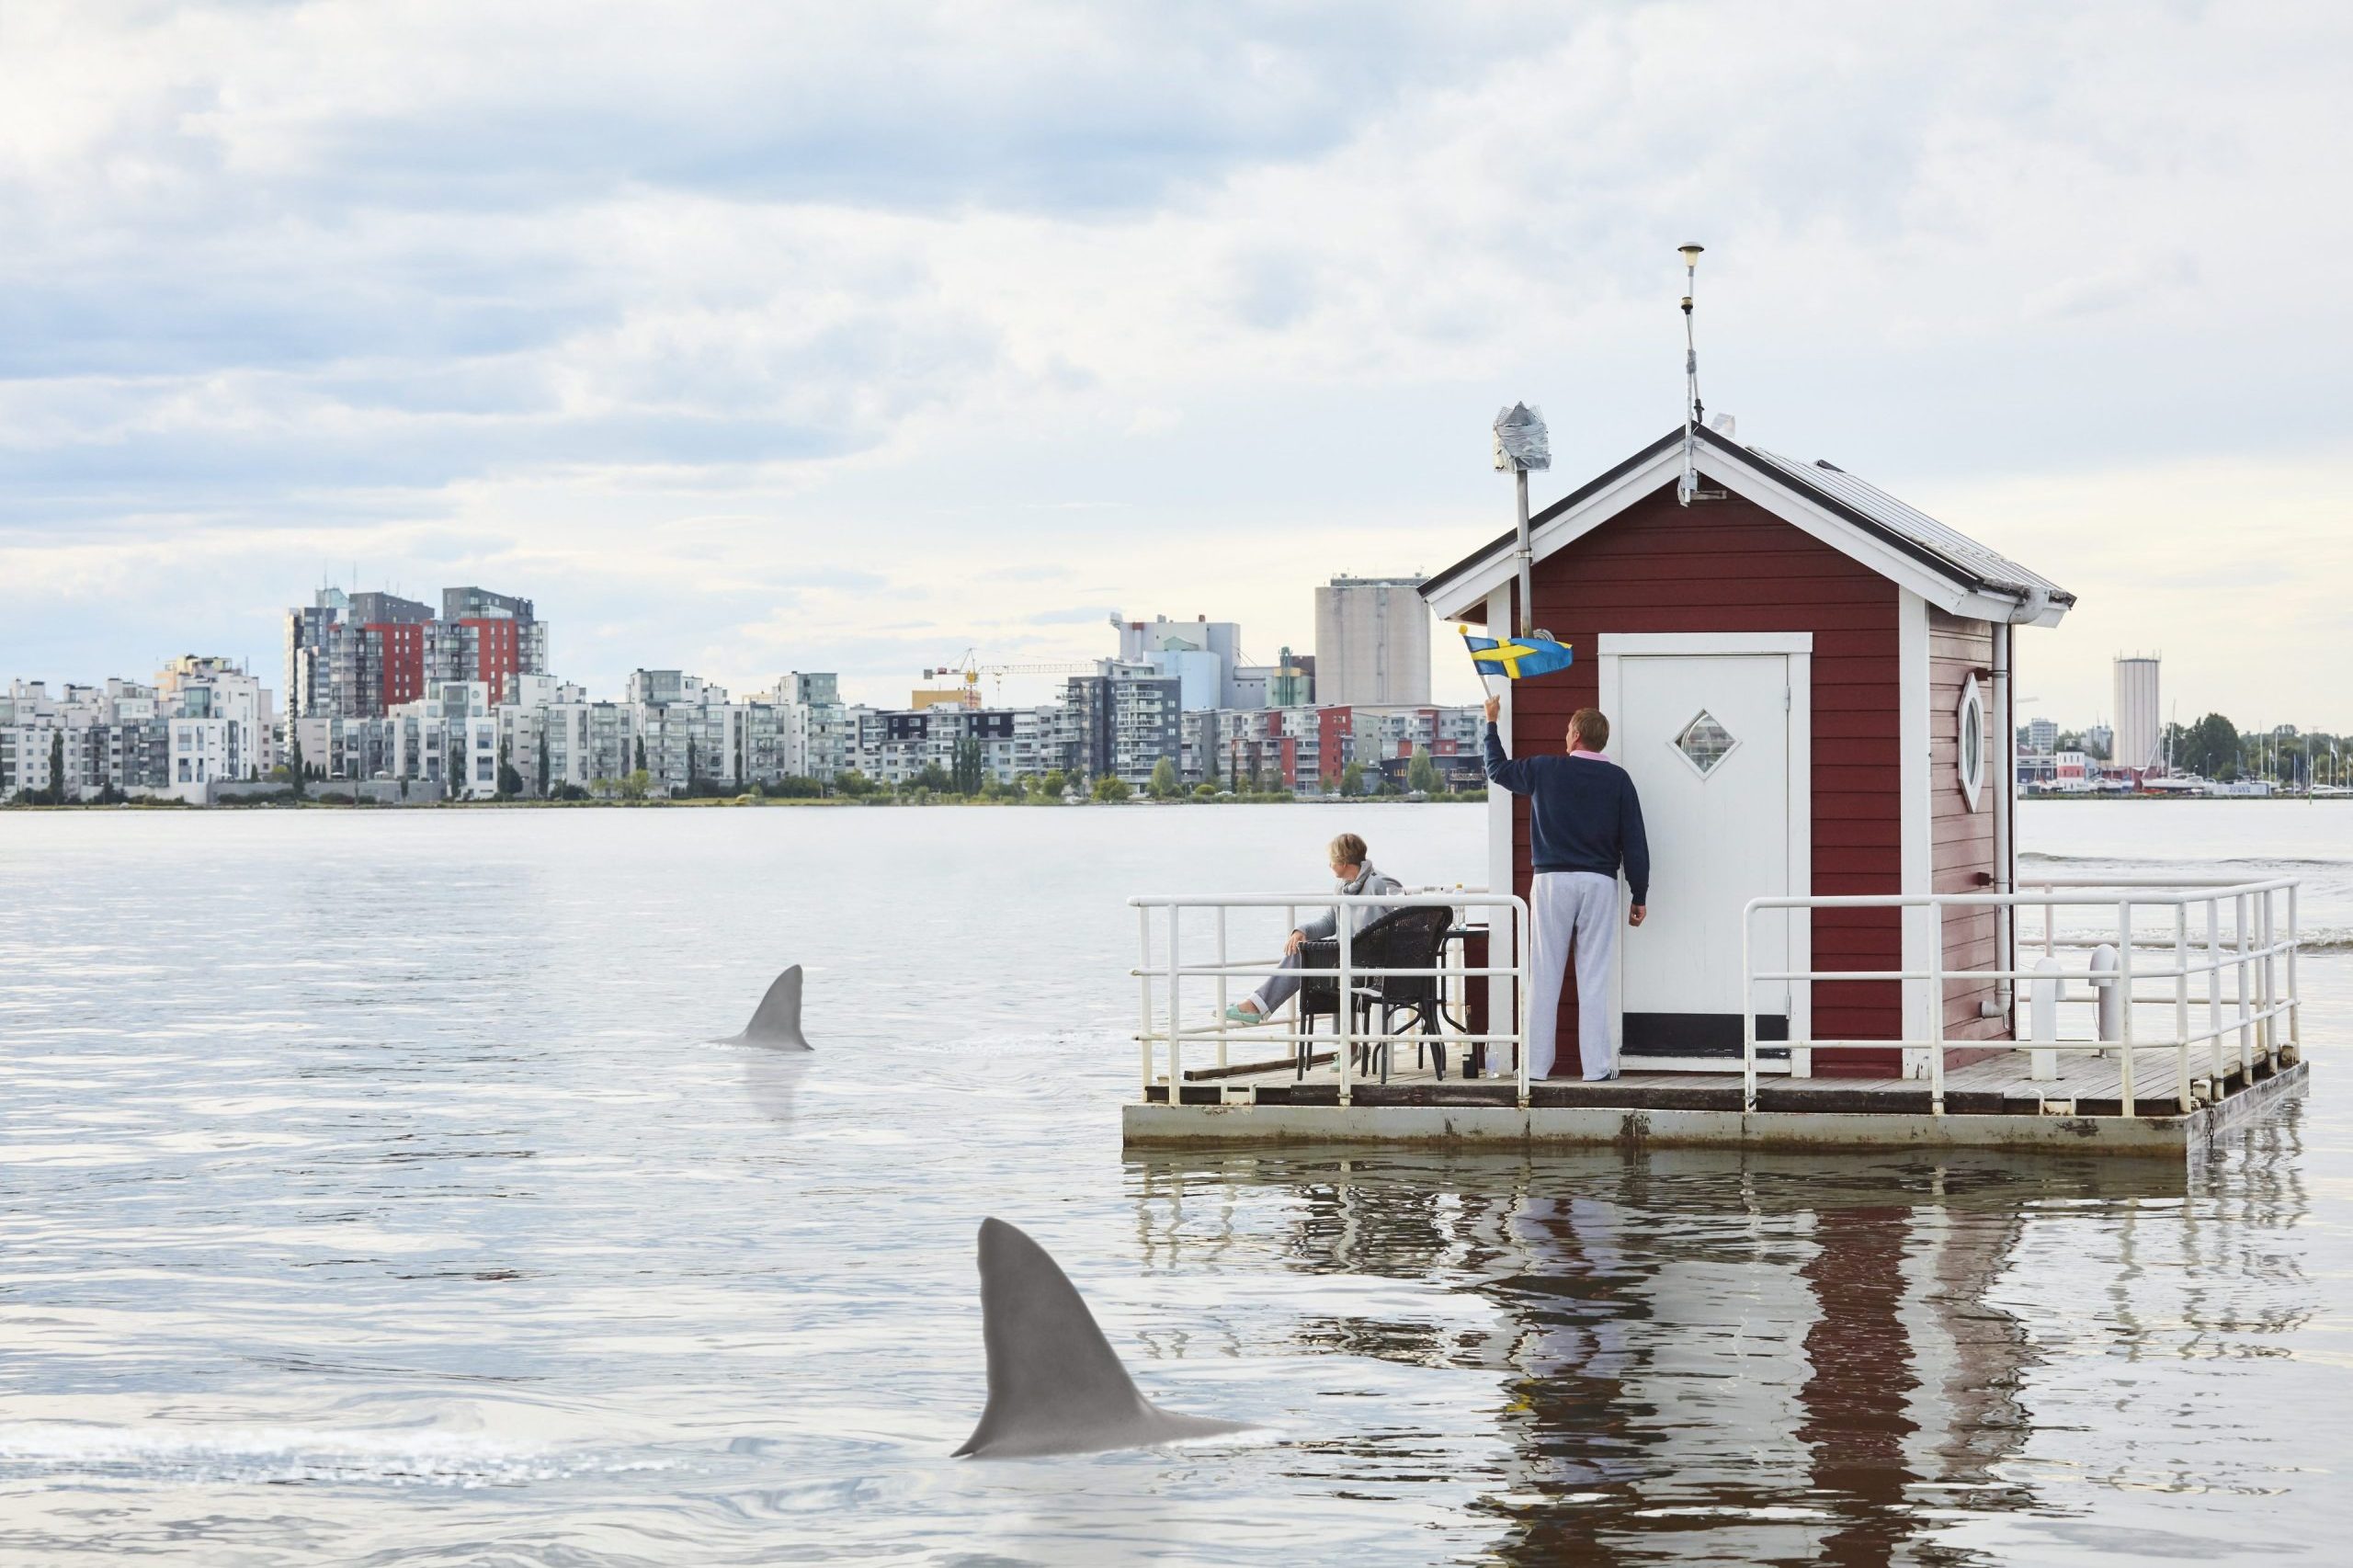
(1238, 1014)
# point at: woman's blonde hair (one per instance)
(1348, 850)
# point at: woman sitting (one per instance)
(1352, 868)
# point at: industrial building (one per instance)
(1372, 643)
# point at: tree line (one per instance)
(2214, 748)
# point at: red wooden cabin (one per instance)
(1811, 683)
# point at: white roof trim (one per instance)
(1469, 590)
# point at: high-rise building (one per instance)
(491, 638)
(1372, 643)
(2039, 737)
(2140, 736)
(818, 735)
(1120, 722)
(360, 656)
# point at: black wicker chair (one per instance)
(1412, 938)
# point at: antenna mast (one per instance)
(1687, 488)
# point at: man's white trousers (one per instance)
(1572, 911)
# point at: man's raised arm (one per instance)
(1513, 776)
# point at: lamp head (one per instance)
(1690, 255)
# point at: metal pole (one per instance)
(1526, 554)
(2295, 998)
(1937, 1011)
(1220, 985)
(1143, 983)
(2271, 1025)
(2006, 863)
(2181, 1004)
(1346, 1003)
(1687, 489)
(1747, 1016)
(1520, 989)
(2124, 993)
(1175, 1022)
(2242, 979)
(2215, 987)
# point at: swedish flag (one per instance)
(1516, 658)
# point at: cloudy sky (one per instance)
(846, 337)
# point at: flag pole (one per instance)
(1526, 556)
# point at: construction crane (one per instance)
(969, 670)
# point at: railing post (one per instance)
(2181, 1004)
(2243, 980)
(2295, 997)
(1220, 985)
(1935, 925)
(2215, 987)
(1176, 1023)
(1748, 1013)
(1143, 983)
(1520, 989)
(2124, 993)
(2270, 988)
(1344, 928)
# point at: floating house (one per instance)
(1812, 684)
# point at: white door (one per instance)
(1706, 738)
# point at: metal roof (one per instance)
(1955, 550)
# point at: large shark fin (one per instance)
(1056, 1384)
(777, 1019)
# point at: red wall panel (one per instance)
(1730, 565)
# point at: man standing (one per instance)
(1586, 822)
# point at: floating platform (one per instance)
(1988, 1105)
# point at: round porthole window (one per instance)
(1971, 758)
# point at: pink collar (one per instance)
(1596, 756)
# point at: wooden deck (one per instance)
(1990, 1103)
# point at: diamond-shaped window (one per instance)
(1704, 743)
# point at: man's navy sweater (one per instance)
(1583, 813)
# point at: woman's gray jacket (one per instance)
(1369, 881)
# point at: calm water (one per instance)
(370, 1192)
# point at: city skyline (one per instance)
(752, 377)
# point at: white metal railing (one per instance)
(2254, 952)
(1165, 968)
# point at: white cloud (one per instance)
(733, 333)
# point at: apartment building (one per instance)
(359, 655)
(681, 728)
(894, 745)
(1121, 721)
(819, 732)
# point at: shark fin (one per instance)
(1056, 1384)
(777, 1022)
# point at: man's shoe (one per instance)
(1238, 1014)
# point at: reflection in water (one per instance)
(772, 1079)
(1712, 1356)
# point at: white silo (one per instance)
(2140, 734)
